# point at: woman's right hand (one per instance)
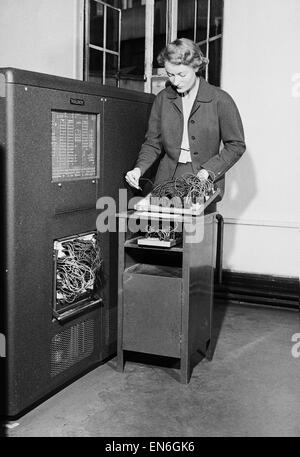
(133, 176)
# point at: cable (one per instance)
(187, 187)
(166, 234)
(147, 179)
(78, 267)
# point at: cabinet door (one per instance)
(152, 314)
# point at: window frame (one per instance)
(103, 49)
(171, 34)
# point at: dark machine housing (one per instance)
(63, 145)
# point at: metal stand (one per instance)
(165, 300)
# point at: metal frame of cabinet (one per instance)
(46, 349)
(165, 300)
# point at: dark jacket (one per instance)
(214, 118)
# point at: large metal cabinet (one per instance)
(165, 303)
(44, 352)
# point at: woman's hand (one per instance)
(133, 176)
(202, 174)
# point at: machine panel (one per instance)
(54, 167)
(74, 145)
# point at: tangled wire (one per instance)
(163, 234)
(77, 269)
(188, 188)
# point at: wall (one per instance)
(261, 70)
(42, 35)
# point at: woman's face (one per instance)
(183, 77)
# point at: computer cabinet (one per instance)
(64, 147)
(165, 299)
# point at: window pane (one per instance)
(111, 69)
(204, 50)
(96, 23)
(186, 15)
(159, 29)
(133, 41)
(216, 17)
(112, 30)
(214, 66)
(115, 3)
(201, 27)
(95, 65)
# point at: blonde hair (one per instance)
(183, 51)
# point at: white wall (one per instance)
(42, 35)
(261, 70)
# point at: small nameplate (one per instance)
(76, 101)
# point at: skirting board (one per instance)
(257, 289)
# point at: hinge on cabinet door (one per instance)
(180, 338)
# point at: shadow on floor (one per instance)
(219, 313)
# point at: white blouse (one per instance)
(187, 102)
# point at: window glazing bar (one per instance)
(104, 43)
(119, 47)
(171, 20)
(87, 39)
(105, 4)
(99, 48)
(207, 37)
(195, 19)
(213, 38)
(149, 39)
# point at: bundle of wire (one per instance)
(188, 188)
(77, 269)
(163, 234)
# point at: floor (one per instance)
(250, 388)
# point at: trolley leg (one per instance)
(185, 371)
(120, 361)
(219, 259)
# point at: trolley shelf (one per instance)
(154, 270)
(133, 243)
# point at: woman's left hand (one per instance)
(202, 174)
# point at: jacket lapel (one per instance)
(205, 94)
(195, 106)
(175, 99)
(177, 102)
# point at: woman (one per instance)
(188, 121)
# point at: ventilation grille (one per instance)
(71, 346)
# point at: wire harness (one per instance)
(187, 189)
(78, 268)
(165, 233)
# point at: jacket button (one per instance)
(195, 153)
(192, 121)
(193, 138)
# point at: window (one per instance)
(160, 28)
(133, 27)
(201, 21)
(102, 42)
(124, 37)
